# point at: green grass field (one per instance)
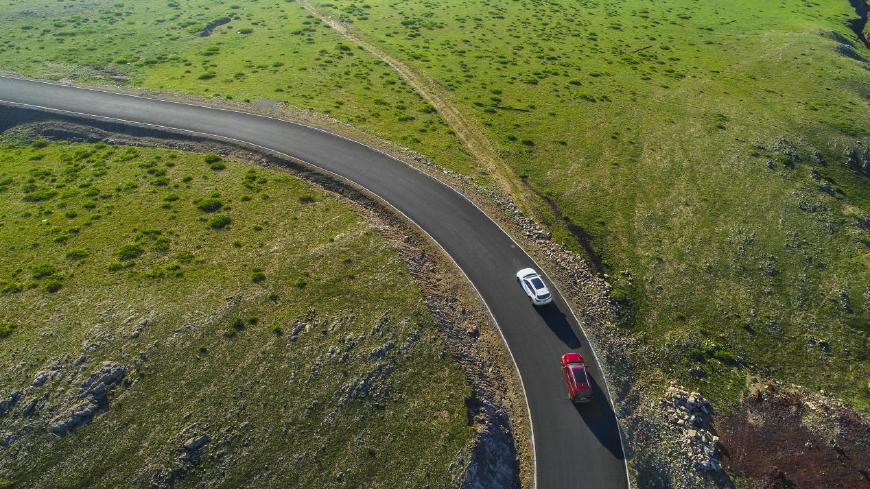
(280, 324)
(699, 143)
(261, 52)
(651, 126)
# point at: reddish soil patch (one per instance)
(782, 438)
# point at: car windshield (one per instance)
(537, 283)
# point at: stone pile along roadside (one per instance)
(692, 414)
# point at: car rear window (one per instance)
(579, 374)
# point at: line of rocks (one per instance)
(94, 397)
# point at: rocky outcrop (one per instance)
(692, 415)
(94, 397)
(8, 403)
(857, 159)
(492, 461)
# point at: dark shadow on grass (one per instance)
(559, 325)
(601, 420)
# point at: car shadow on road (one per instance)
(559, 324)
(601, 420)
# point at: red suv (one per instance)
(574, 370)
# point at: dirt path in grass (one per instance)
(471, 134)
(466, 129)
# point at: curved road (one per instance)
(574, 446)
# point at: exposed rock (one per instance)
(140, 328)
(94, 397)
(30, 407)
(818, 159)
(8, 403)
(81, 414)
(692, 415)
(381, 351)
(857, 159)
(191, 448)
(492, 461)
(100, 382)
(371, 385)
(40, 378)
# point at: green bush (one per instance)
(258, 277)
(209, 204)
(12, 288)
(53, 285)
(217, 166)
(40, 195)
(77, 254)
(5, 330)
(212, 158)
(219, 221)
(42, 270)
(130, 251)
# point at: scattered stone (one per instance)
(100, 382)
(381, 351)
(40, 378)
(191, 448)
(94, 397)
(79, 415)
(6, 404)
(692, 415)
(857, 159)
(140, 328)
(30, 407)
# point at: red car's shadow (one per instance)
(559, 325)
(601, 420)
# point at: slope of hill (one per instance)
(712, 157)
(175, 319)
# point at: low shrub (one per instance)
(52, 285)
(77, 254)
(209, 204)
(219, 221)
(40, 195)
(6, 329)
(130, 251)
(42, 270)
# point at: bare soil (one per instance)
(785, 438)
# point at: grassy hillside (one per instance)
(237, 325)
(700, 145)
(256, 51)
(710, 151)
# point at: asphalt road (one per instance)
(574, 446)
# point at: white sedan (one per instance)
(533, 286)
